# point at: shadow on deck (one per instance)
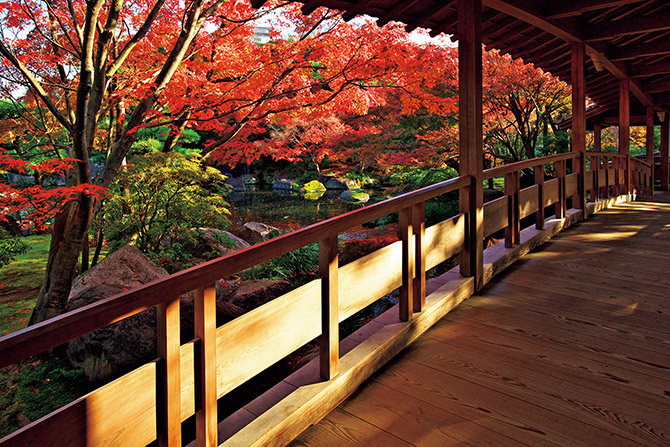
(569, 347)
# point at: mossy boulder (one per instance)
(313, 186)
(355, 196)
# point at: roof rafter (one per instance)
(560, 10)
(639, 50)
(645, 24)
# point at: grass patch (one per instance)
(20, 283)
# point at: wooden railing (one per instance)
(152, 401)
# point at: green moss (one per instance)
(314, 186)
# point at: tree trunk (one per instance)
(69, 228)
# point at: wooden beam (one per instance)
(579, 120)
(398, 10)
(642, 70)
(665, 146)
(639, 50)
(356, 9)
(662, 99)
(557, 10)
(569, 30)
(624, 130)
(471, 151)
(657, 86)
(630, 25)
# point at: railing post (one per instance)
(560, 175)
(539, 181)
(405, 227)
(628, 176)
(330, 337)
(513, 224)
(169, 399)
(205, 367)
(419, 225)
(606, 163)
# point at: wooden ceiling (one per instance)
(626, 38)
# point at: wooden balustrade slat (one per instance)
(419, 226)
(572, 188)
(444, 240)
(551, 192)
(330, 337)
(529, 202)
(169, 390)
(405, 227)
(205, 366)
(560, 177)
(495, 215)
(538, 171)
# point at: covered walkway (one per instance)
(568, 347)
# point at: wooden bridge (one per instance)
(566, 347)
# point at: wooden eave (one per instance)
(629, 39)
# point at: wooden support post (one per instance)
(579, 123)
(624, 128)
(205, 367)
(419, 225)
(539, 181)
(513, 220)
(330, 330)
(406, 303)
(606, 166)
(560, 175)
(470, 136)
(597, 137)
(169, 399)
(650, 143)
(665, 150)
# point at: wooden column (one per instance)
(650, 143)
(169, 398)
(330, 333)
(419, 292)
(470, 135)
(597, 137)
(624, 129)
(205, 367)
(579, 122)
(665, 146)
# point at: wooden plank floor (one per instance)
(569, 347)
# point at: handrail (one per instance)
(641, 162)
(499, 171)
(606, 154)
(58, 330)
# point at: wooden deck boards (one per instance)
(568, 347)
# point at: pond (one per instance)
(288, 211)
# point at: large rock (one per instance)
(341, 183)
(236, 183)
(220, 241)
(124, 269)
(255, 232)
(251, 294)
(313, 186)
(120, 347)
(355, 196)
(284, 184)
